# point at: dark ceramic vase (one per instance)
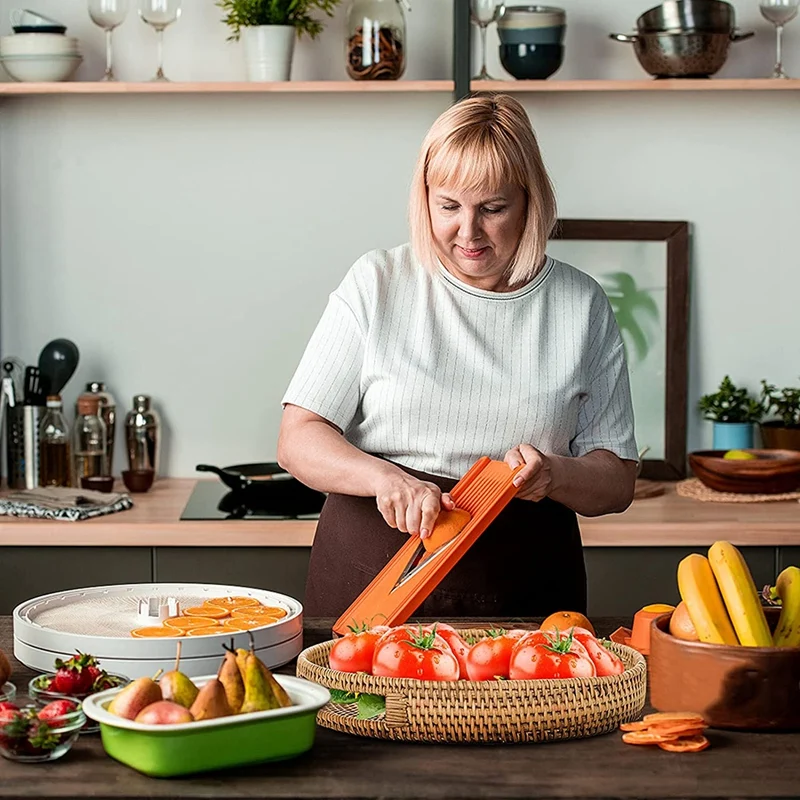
(529, 62)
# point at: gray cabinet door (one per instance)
(281, 569)
(29, 572)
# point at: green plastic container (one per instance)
(165, 751)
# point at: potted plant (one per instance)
(734, 412)
(782, 433)
(269, 28)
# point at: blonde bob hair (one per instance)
(479, 144)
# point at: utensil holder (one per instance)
(22, 446)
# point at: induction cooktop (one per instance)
(287, 499)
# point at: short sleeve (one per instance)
(605, 419)
(327, 380)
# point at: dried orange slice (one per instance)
(184, 623)
(240, 624)
(208, 630)
(207, 611)
(673, 716)
(232, 602)
(634, 726)
(155, 632)
(274, 611)
(253, 612)
(645, 737)
(692, 744)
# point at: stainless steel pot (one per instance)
(681, 55)
(676, 16)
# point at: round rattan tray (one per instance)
(485, 711)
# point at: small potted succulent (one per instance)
(782, 433)
(268, 29)
(734, 413)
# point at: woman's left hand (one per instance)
(535, 479)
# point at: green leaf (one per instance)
(340, 696)
(370, 705)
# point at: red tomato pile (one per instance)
(439, 653)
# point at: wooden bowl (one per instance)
(747, 688)
(771, 472)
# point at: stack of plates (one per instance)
(40, 56)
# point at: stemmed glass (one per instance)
(108, 14)
(159, 14)
(484, 13)
(778, 12)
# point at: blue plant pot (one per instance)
(733, 435)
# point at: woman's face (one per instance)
(477, 233)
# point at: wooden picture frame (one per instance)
(669, 462)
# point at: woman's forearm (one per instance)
(594, 484)
(317, 454)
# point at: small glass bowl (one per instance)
(65, 729)
(42, 696)
(8, 692)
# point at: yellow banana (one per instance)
(740, 595)
(700, 592)
(787, 633)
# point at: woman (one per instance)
(468, 342)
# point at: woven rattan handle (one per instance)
(396, 711)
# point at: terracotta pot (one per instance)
(777, 437)
(747, 688)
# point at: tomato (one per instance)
(459, 647)
(354, 651)
(542, 655)
(605, 662)
(423, 655)
(488, 659)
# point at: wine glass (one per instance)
(159, 14)
(108, 14)
(778, 12)
(483, 13)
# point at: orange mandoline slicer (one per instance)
(418, 566)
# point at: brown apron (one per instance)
(527, 563)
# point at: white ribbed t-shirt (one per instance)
(432, 373)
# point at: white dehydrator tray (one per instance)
(98, 620)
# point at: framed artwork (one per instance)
(643, 267)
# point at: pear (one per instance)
(211, 702)
(258, 694)
(135, 697)
(230, 677)
(280, 693)
(176, 686)
(164, 712)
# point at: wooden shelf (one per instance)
(646, 85)
(220, 87)
(154, 521)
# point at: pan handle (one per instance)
(230, 479)
(623, 37)
(740, 37)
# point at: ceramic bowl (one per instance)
(771, 472)
(41, 69)
(642, 623)
(553, 34)
(747, 688)
(98, 483)
(138, 480)
(39, 44)
(531, 61)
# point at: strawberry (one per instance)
(5, 706)
(73, 676)
(53, 711)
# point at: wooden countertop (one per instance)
(741, 765)
(154, 521)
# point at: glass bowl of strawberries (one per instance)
(74, 679)
(34, 734)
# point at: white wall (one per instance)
(188, 243)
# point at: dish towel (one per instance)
(63, 503)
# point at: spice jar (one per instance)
(89, 441)
(376, 39)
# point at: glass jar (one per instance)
(89, 444)
(376, 39)
(54, 460)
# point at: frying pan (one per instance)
(268, 488)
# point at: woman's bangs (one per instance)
(475, 165)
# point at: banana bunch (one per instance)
(725, 606)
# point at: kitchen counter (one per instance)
(741, 765)
(154, 521)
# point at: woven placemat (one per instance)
(693, 488)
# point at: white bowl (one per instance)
(40, 69)
(39, 44)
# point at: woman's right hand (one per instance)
(409, 504)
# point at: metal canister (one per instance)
(143, 435)
(108, 413)
(22, 443)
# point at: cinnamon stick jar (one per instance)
(375, 48)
